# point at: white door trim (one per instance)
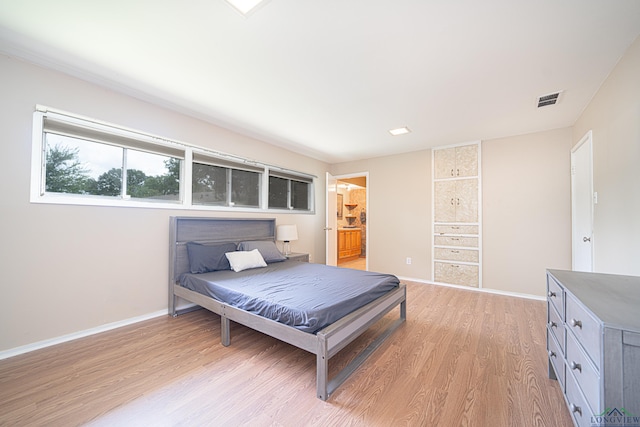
(577, 236)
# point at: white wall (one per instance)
(614, 117)
(399, 211)
(71, 268)
(527, 210)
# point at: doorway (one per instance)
(582, 201)
(347, 237)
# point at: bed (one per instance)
(229, 294)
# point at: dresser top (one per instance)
(614, 299)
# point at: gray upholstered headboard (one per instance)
(211, 230)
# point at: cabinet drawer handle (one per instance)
(575, 408)
(451, 172)
(551, 294)
(576, 366)
(576, 323)
(451, 202)
(552, 324)
(455, 252)
(551, 354)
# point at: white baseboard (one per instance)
(486, 290)
(80, 334)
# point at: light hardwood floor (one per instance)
(462, 358)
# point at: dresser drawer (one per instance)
(456, 229)
(467, 255)
(556, 359)
(555, 294)
(467, 242)
(584, 372)
(458, 274)
(577, 406)
(585, 327)
(554, 324)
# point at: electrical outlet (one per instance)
(408, 261)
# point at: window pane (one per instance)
(152, 176)
(278, 192)
(300, 195)
(245, 188)
(209, 185)
(77, 166)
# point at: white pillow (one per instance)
(244, 260)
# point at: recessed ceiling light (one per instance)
(399, 131)
(246, 7)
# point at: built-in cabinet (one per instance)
(456, 215)
(349, 243)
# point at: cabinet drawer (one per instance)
(555, 357)
(457, 274)
(456, 229)
(554, 324)
(584, 372)
(555, 294)
(577, 406)
(468, 242)
(585, 327)
(456, 254)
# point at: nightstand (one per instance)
(298, 257)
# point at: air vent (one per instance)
(549, 99)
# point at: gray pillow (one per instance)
(267, 249)
(206, 258)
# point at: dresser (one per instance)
(456, 215)
(593, 345)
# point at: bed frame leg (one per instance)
(225, 331)
(322, 370)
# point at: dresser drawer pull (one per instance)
(552, 354)
(551, 294)
(552, 324)
(575, 366)
(575, 408)
(576, 323)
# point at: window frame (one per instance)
(289, 177)
(132, 139)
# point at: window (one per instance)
(90, 161)
(288, 191)
(83, 161)
(218, 182)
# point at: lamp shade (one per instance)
(287, 233)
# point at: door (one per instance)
(582, 200)
(466, 200)
(331, 221)
(445, 201)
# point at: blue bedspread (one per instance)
(299, 294)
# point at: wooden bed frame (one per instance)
(324, 344)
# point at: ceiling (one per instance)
(330, 78)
